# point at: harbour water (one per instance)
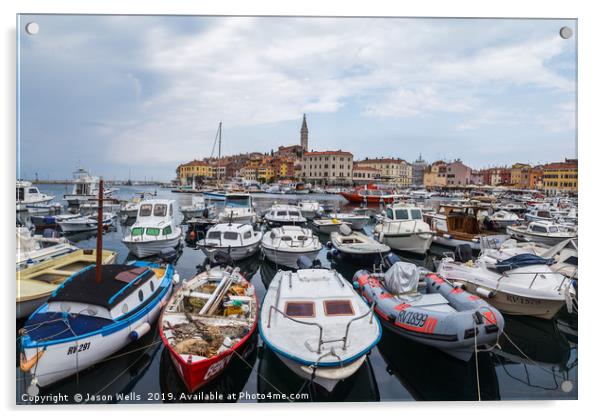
(537, 360)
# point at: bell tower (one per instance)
(304, 133)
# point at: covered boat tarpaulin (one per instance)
(520, 261)
(402, 278)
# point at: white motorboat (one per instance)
(520, 285)
(33, 249)
(86, 223)
(310, 209)
(28, 195)
(512, 207)
(328, 225)
(45, 208)
(86, 321)
(502, 219)
(403, 228)
(155, 229)
(85, 188)
(546, 232)
(285, 245)
(238, 240)
(357, 221)
(539, 214)
(455, 225)
(199, 208)
(356, 245)
(317, 325)
(238, 208)
(51, 221)
(279, 215)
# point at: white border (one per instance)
(589, 129)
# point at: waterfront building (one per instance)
(418, 168)
(327, 167)
(497, 176)
(392, 170)
(435, 175)
(477, 177)
(457, 174)
(195, 171)
(536, 178)
(519, 175)
(363, 175)
(265, 173)
(560, 177)
(304, 134)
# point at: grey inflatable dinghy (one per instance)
(441, 315)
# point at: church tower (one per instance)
(304, 132)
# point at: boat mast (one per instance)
(99, 232)
(219, 153)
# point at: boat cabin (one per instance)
(155, 219)
(230, 234)
(238, 200)
(403, 213)
(543, 227)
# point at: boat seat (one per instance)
(423, 300)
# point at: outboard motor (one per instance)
(390, 260)
(463, 253)
(222, 259)
(304, 263)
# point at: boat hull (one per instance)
(370, 199)
(551, 241)
(150, 248)
(418, 243)
(288, 259)
(236, 253)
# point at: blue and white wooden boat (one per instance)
(85, 321)
(318, 325)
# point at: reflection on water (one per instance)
(398, 370)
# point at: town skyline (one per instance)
(139, 94)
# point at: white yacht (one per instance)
(198, 208)
(86, 223)
(154, 230)
(310, 209)
(357, 221)
(238, 208)
(546, 232)
(279, 215)
(502, 219)
(403, 228)
(28, 195)
(85, 188)
(238, 240)
(318, 325)
(285, 245)
(520, 285)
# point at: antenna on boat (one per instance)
(219, 154)
(100, 228)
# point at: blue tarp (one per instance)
(520, 261)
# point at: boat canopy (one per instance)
(402, 278)
(521, 261)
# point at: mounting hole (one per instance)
(32, 28)
(566, 32)
(566, 386)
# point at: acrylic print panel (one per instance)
(149, 145)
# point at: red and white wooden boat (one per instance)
(370, 194)
(212, 315)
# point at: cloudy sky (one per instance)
(121, 94)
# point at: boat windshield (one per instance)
(145, 210)
(401, 214)
(152, 231)
(238, 201)
(137, 231)
(293, 213)
(160, 210)
(230, 235)
(416, 214)
(553, 229)
(214, 235)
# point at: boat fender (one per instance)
(484, 292)
(176, 278)
(140, 331)
(356, 285)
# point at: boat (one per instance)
(198, 208)
(319, 327)
(29, 195)
(239, 241)
(209, 319)
(90, 316)
(501, 219)
(539, 213)
(33, 249)
(85, 188)
(300, 189)
(421, 194)
(355, 245)
(425, 308)
(546, 232)
(35, 283)
(130, 209)
(284, 245)
(279, 215)
(238, 208)
(51, 221)
(455, 225)
(44, 208)
(155, 229)
(521, 285)
(513, 207)
(403, 229)
(328, 225)
(310, 209)
(85, 223)
(368, 194)
(356, 221)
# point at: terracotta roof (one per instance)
(365, 168)
(560, 165)
(194, 163)
(387, 160)
(327, 153)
